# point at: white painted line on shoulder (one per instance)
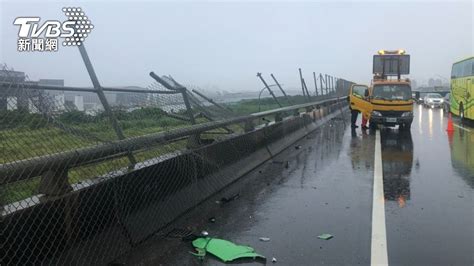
(379, 254)
(458, 126)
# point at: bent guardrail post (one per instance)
(321, 83)
(103, 99)
(268, 88)
(315, 84)
(326, 85)
(281, 89)
(303, 85)
(194, 140)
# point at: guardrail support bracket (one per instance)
(249, 126)
(54, 183)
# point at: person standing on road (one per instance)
(354, 114)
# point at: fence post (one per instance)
(54, 182)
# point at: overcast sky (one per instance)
(224, 44)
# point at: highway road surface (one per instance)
(386, 197)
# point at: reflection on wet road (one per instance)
(428, 185)
(326, 187)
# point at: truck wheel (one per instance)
(405, 126)
(372, 126)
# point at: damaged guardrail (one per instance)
(24, 169)
(94, 222)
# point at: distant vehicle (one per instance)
(433, 100)
(462, 89)
(421, 96)
(447, 103)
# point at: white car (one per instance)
(433, 100)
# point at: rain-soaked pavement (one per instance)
(326, 187)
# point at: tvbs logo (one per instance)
(33, 36)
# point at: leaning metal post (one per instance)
(301, 80)
(281, 89)
(326, 80)
(315, 84)
(184, 92)
(194, 140)
(180, 89)
(102, 98)
(321, 83)
(268, 88)
(306, 89)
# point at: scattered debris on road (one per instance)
(223, 249)
(325, 236)
(229, 199)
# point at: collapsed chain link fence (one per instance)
(80, 184)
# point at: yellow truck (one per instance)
(389, 100)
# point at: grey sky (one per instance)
(226, 44)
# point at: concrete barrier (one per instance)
(96, 223)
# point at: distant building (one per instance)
(79, 102)
(57, 98)
(128, 99)
(7, 92)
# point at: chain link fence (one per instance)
(88, 173)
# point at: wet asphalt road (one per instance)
(428, 185)
(327, 188)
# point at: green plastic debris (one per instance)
(223, 249)
(325, 236)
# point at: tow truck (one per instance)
(390, 101)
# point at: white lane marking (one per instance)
(379, 254)
(458, 126)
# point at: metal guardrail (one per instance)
(36, 166)
(36, 86)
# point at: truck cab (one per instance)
(392, 103)
(389, 100)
